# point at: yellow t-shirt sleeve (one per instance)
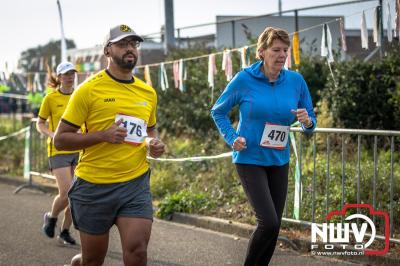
(152, 118)
(44, 111)
(77, 108)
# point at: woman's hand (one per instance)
(239, 144)
(302, 116)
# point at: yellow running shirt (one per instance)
(52, 108)
(95, 104)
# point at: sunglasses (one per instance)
(126, 43)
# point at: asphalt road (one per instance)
(22, 242)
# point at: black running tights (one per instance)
(266, 189)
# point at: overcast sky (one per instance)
(28, 23)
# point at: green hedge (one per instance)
(366, 95)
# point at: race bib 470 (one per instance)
(275, 136)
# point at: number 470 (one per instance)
(277, 135)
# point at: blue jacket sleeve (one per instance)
(219, 112)
(306, 102)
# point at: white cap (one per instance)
(64, 67)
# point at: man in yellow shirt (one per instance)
(112, 176)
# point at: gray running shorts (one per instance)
(95, 207)
(63, 160)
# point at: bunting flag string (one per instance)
(175, 68)
(397, 28)
(6, 72)
(326, 49)
(288, 62)
(296, 48)
(212, 71)
(33, 62)
(29, 83)
(180, 72)
(227, 64)
(389, 28)
(364, 32)
(37, 85)
(147, 76)
(377, 28)
(242, 52)
(162, 77)
(297, 176)
(182, 75)
(244, 56)
(326, 43)
(343, 35)
(76, 80)
(250, 46)
(333, 76)
(41, 64)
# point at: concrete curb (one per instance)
(216, 224)
(19, 182)
(231, 227)
(12, 181)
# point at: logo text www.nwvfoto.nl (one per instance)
(337, 235)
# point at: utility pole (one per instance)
(380, 12)
(169, 32)
(280, 7)
(63, 42)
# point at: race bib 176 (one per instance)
(137, 128)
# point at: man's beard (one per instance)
(129, 65)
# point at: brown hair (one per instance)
(52, 79)
(268, 36)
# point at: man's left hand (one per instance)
(156, 147)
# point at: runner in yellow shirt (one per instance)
(61, 163)
(112, 177)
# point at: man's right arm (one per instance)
(67, 139)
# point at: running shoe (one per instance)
(66, 238)
(49, 225)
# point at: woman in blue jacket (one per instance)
(270, 99)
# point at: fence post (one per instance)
(28, 161)
(28, 154)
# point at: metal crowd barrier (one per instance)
(370, 175)
(35, 158)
